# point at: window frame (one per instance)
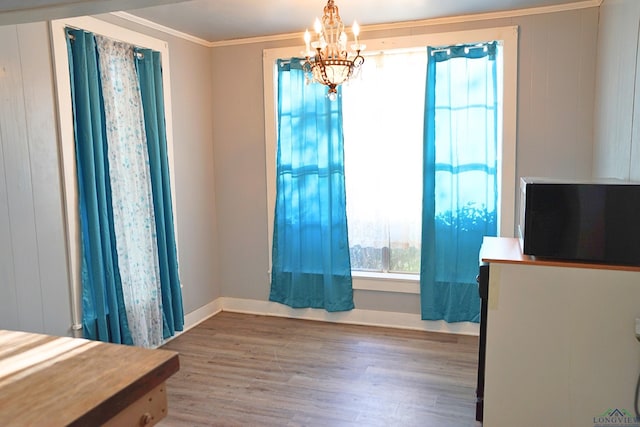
(66, 137)
(508, 37)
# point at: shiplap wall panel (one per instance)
(585, 100)
(19, 187)
(47, 192)
(634, 158)
(34, 292)
(532, 95)
(616, 77)
(8, 302)
(560, 88)
(555, 98)
(576, 129)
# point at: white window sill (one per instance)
(386, 282)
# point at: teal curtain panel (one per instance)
(104, 315)
(460, 189)
(310, 254)
(149, 69)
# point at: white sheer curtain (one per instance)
(133, 214)
(383, 115)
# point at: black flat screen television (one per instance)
(596, 222)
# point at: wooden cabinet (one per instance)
(560, 342)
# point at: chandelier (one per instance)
(327, 60)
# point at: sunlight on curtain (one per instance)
(460, 177)
(310, 244)
(383, 117)
(132, 200)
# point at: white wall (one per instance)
(617, 109)
(555, 111)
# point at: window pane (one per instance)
(383, 115)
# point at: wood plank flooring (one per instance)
(248, 370)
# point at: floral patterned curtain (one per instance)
(133, 213)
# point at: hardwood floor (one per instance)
(247, 370)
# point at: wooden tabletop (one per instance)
(507, 250)
(46, 380)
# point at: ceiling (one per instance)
(221, 20)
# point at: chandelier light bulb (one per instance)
(307, 41)
(343, 41)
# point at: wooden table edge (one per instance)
(119, 401)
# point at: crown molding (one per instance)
(162, 28)
(585, 4)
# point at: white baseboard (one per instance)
(198, 316)
(203, 313)
(356, 316)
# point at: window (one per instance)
(383, 115)
(378, 268)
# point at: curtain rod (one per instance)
(137, 53)
(467, 48)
